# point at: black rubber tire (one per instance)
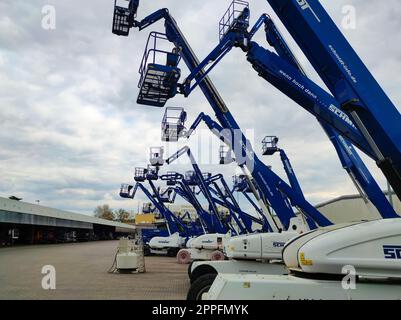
(200, 286)
(189, 269)
(172, 252)
(146, 251)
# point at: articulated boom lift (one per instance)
(356, 112)
(182, 188)
(271, 186)
(348, 79)
(243, 220)
(270, 147)
(176, 229)
(197, 178)
(323, 253)
(285, 73)
(225, 154)
(179, 232)
(241, 185)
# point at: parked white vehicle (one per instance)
(204, 247)
(167, 245)
(259, 253)
(326, 258)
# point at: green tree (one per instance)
(121, 215)
(104, 212)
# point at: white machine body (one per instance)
(264, 245)
(258, 246)
(205, 247)
(372, 248)
(250, 254)
(172, 241)
(199, 268)
(212, 241)
(252, 246)
(189, 242)
(250, 250)
(288, 287)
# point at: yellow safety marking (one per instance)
(304, 261)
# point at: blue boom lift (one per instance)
(269, 148)
(178, 182)
(374, 129)
(285, 73)
(271, 186)
(173, 128)
(225, 198)
(174, 225)
(359, 97)
(348, 79)
(198, 179)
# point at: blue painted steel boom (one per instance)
(243, 220)
(270, 185)
(173, 223)
(221, 199)
(285, 73)
(348, 79)
(218, 226)
(351, 162)
(254, 205)
(184, 190)
(218, 131)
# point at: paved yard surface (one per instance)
(81, 273)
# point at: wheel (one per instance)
(201, 286)
(189, 269)
(146, 250)
(217, 256)
(172, 252)
(183, 256)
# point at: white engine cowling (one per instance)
(258, 246)
(213, 241)
(373, 248)
(173, 241)
(298, 225)
(189, 242)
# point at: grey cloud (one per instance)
(71, 132)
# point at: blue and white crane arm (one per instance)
(243, 220)
(171, 221)
(219, 227)
(290, 172)
(266, 214)
(184, 191)
(285, 73)
(352, 163)
(270, 184)
(348, 79)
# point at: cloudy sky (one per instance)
(71, 131)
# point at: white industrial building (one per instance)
(353, 208)
(27, 223)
